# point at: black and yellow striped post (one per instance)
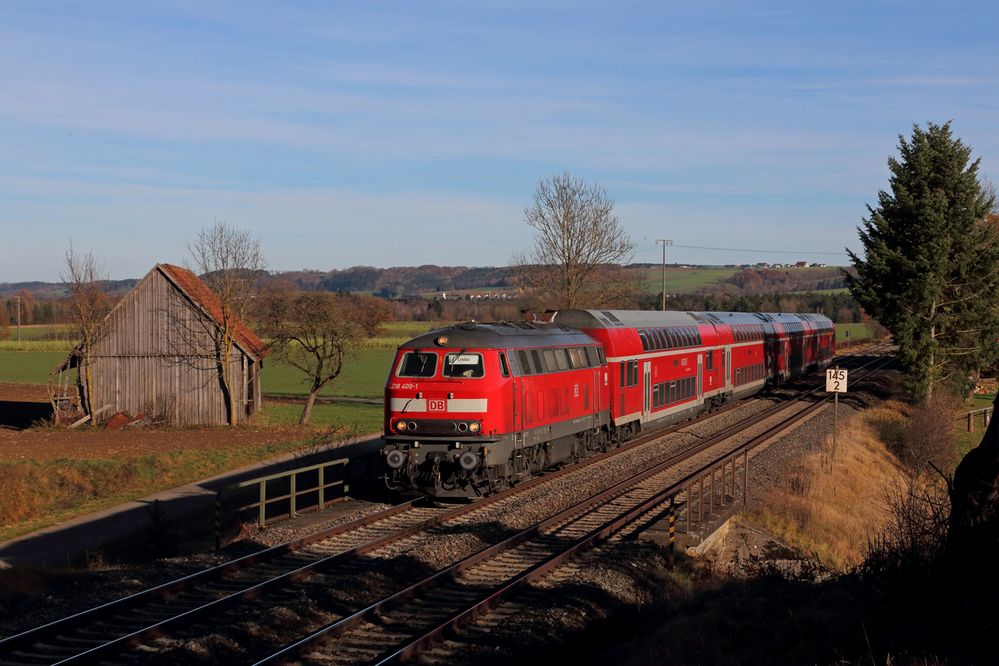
(672, 523)
(218, 521)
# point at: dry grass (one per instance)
(37, 494)
(833, 503)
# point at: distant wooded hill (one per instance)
(409, 280)
(401, 281)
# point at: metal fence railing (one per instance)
(283, 494)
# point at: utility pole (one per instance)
(18, 318)
(665, 243)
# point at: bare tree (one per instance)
(229, 261)
(85, 275)
(315, 332)
(579, 246)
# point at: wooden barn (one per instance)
(156, 356)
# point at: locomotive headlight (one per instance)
(474, 427)
(401, 426)
(395, 459)
(468, 460)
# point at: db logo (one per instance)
(437, 405)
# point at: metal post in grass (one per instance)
(836, 382)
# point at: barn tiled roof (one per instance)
(199, 293)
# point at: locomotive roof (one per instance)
(505, 335)
(655, 318)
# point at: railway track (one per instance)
(209, 596)
(400, 626)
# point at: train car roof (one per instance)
(653, 318)
(623, 318)
(505, 335)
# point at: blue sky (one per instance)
(409, 133)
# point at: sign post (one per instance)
(835, 384)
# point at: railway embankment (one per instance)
(791, 578)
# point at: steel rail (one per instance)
(67, 625)
(371, 612)
(536, 572)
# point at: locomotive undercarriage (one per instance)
(467, 469)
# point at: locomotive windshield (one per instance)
(418, 364)
(463, 365)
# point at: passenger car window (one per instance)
(417, 364)
(463, 365)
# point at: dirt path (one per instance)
(22, 404)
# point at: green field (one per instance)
(685, 280)
(363, 377)
(40, 332)
(28, 367)
(857, 332)
(358, 418)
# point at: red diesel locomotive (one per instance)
(474, 407)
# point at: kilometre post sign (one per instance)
(835, 380)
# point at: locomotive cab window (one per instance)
(417, 364)
(463, 365)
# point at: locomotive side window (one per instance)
(591, 356)
(536, 357)
(574, 358)
(463, 365)
(504, 370)
(600, 355)
(525, 363)
(417, 364)
(549, 358)
(562, 359)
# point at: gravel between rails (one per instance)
(325, 597)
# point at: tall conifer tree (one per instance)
(930, 273)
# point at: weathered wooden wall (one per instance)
(157, 358)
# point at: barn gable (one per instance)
(156, 354)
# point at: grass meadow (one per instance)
(857, 333)
(684, 280)
(815, 509)
(38, 494)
